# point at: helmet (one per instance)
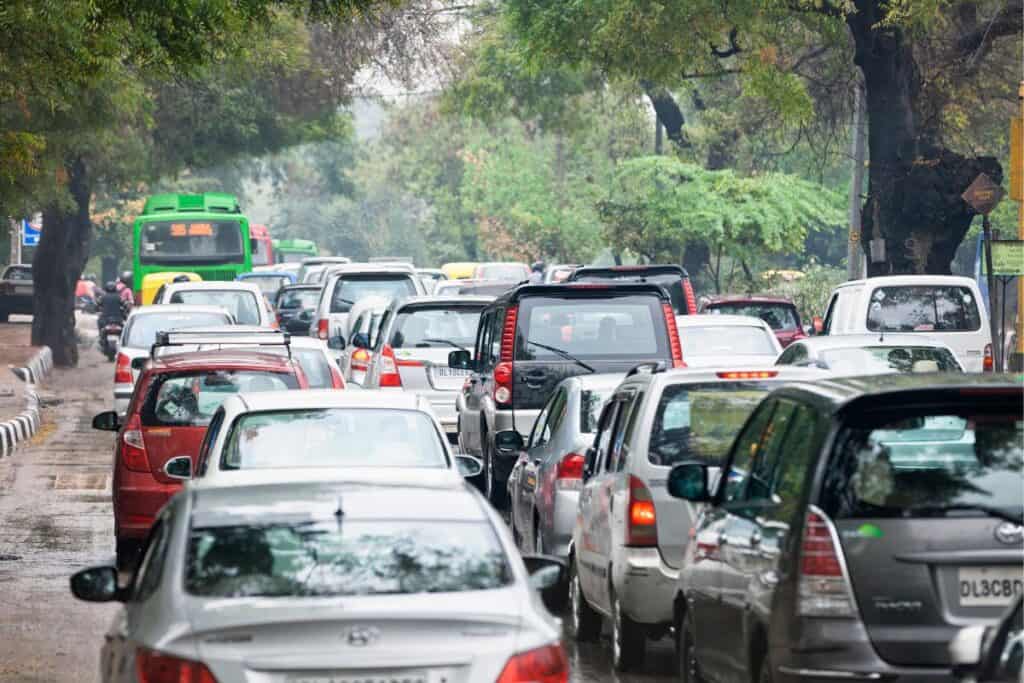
(126, 277)
(110, 287)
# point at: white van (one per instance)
(944, 307)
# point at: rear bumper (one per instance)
(645, 586)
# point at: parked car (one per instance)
(533, 337)
(349, 283)
(291, 302)
(991, 654)
(270, 282)
(174, 400)
(508, 271)
(630, 534)
(355, 345)
(861, 523)
(320, 262)
(870, 354)
(941, 307)
(778, 311)
(139, 335)
(711, 341)
(545, 483)
(410, 351)
(243, 300)
(674, 279)
(16, 290)
(329, 581)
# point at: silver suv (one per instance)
(348, 283)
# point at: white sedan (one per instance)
(727, 341)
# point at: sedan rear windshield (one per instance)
(451, 327)
(345, 558)
(269, 284)
(352, 288)
(699, 421)
(923, 309)
(940, 463)
(239, 303)
(142, 329)
(670, 282)
(726, 340)
(889, 359)
(190, 399)
(627, 327)
(333, 437)
(22, 273)
(298, 298)
(778, 316)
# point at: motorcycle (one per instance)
(110, 337)
(85, 304)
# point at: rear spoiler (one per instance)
(227, 337)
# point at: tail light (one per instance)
(133, 448)
(569, 474)
(673, 337)
(123, 370)
(691, 299)
(322, 328)
(988, 364)
(389, 376)
(360, 357)
(546, 664)
(503, 370)
(508, 334)
(503, 383)
(156, 667)
(748, 374)
(823, 589)
(642, 520)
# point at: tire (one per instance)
(629, 642)
(556, 597)
(584, 622)
(689, 670)
(495, 480)
(127, 551)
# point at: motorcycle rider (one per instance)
(111, 308)
(124, 289)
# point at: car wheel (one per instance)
(584, 622)
(689, 672)
(629, 642)
(494, 488)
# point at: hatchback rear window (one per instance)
(888, 359)
(18, 273)
(190, 399)
(241, 304)
(450, 327)
(672, 283)
(628, 327)
(142, 329)
(923, 309)
(933, 464)
(726, 340)
(347, 558)
(699, 421)
(778, 316)
(352, 288)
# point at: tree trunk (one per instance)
(58, 263)
(914, 183)
(668, 112)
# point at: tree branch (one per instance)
(667, 111)
(1007, 22)
(733, 48)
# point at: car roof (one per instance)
(175, 309)
(380, 499)
(331, 398)
(582, 290)
(846, 341)
(214, 285)
(720, 320)
(606, 380)
(355, 268)
(318, 260)
(453, 299)
(303, 285)
(747, 298)
(639, 270)
(222, 359)
(894, 280)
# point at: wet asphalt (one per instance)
(55, 518)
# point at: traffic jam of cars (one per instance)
(340, 472)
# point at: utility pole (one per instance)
(854, 248)
(1016, 360)
(15, 241)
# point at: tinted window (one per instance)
(630, 327)
(540, 435)
(18, 273)
(558, 410)
(604, 437)
(353, 558)
(670, 282)
(748, 443)
(699, 421)
(795, 353)
(242, 305)
(314, 365)
(591, 403)
(298, 298)
(435, 327)
(142, 329)
(725, 340)
(794, 460)
(191, 242)
(887, 359)
(190, 399)
(778, 316)
(352, 288)
(627, 420)
(762, 466)
(923, 309)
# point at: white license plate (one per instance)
(450, 372)
(368, 677)
(989, 586)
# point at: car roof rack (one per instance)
(225, 335)
(648, 368)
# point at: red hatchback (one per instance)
(779, 312)
(173, 402)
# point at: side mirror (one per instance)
(96, 584)
(548, 575)
(589, 460)
(460, 360)
(336, 343)
(468, 466)
(965, 649)
(179, 467)
(689, 481)
(106, 421)
(361, 340)
(139, 363)
(817, 324)
(508, 442)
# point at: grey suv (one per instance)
(861, 523)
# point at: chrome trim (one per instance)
(829, 673)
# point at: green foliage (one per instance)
(810, 293)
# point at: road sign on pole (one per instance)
(30, 231)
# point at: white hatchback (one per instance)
(243, 300)
(735, 340)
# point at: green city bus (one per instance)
(293, 251)
(204, 234)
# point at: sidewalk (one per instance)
(15, 350)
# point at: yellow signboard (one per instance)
(1008, 257)
(1017, 159)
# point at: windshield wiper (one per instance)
(989, 510)
(443, 341)
(564, 354)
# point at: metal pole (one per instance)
(1004, 281)
(992, 322)
(854, 247)
(1017, 358)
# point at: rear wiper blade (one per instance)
(564, 354)
(989, 510)
(444, 341)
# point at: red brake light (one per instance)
(389, 376)
(823, 589)
(546, 664)
(642, 522)
(988, 364)
(569, 474)
(508, 334)
(748, 374)
(322, 328)
(123, 370)
(503, 383)
(133, 448)
(691, 298)
(673, 337)
(156, 667)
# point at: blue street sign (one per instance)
(30, 233)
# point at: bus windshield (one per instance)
(191, 242)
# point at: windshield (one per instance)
(726, 340)
(892, 466)
(241, 304)
(20, 273)
(432, 327)
(190, 399)
(923, 309)
(352, 288)
(628, 327)
(778, 316)
(268, 284)
(298, 298)
(513, 272)
(334, 437)
(142, 329)
(345, 559)
(191, 242)
(888, 359)
(591, 403)
(699, 421)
